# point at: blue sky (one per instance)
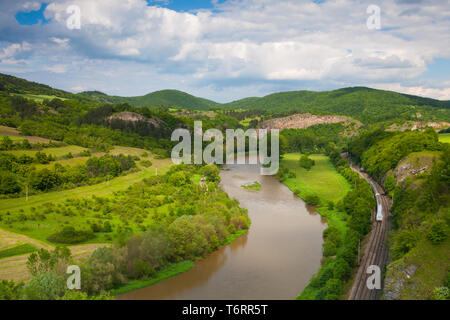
(228, 49)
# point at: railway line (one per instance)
(375, 251)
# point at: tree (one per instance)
(8, 183)
(7, 143)
(45, 286)
(333, 289)
(10, 290)
(306, 162)
(390, 183)
(178, 179)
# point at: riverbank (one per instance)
(170, 271)
(323, 181)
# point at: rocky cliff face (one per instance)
(418, 125)
(134, 117)
(301, 121)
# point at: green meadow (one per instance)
(444, 137)
(57, 152)
(322, 180)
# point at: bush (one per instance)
(146, 163)
(306, 162)
(312, 200)
(68, 235)
(341, 269)
(329, 248)
(442, 293)
(143, 269)
(45, 286)
(333, 289)
(438, 232)
(8, 183)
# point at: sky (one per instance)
(226, 50)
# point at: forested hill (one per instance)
(158, 98)
(16, 85)
(365, 104)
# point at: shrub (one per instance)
(306, 162)
(333, 289)
(341, 269)
(312, 200)
(143, 269)
(45, 286)
(438, 232)
(441, 293)
(68, 235)
(146, 163)
(329, 248)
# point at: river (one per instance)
(274, 260)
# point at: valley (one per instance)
(87, 179)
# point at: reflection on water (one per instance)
(274, 260)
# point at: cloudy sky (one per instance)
(228, 49)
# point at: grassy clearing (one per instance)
(17, 251)
(444, 137)
(13, 132)
(166, 273)
(38, 97)
(13, 138)
(57, 152)
(322, 180)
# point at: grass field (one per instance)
(444, 137)
(57, 152)
(322, 180)
(17, 251)
(38, 97)
(13, 138)
(13, 132)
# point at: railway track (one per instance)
(376, 251)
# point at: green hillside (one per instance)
(158, 98)
(365, 104)
(20, 86)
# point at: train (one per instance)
(379, 216)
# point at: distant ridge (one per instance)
(365, 104)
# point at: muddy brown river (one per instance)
(274, 260)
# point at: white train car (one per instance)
(379, 216)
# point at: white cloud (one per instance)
(14, 49)
(249, 41)
(31, 6)
(56, 68)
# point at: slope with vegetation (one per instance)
(414, 168)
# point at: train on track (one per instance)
(379, 216)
